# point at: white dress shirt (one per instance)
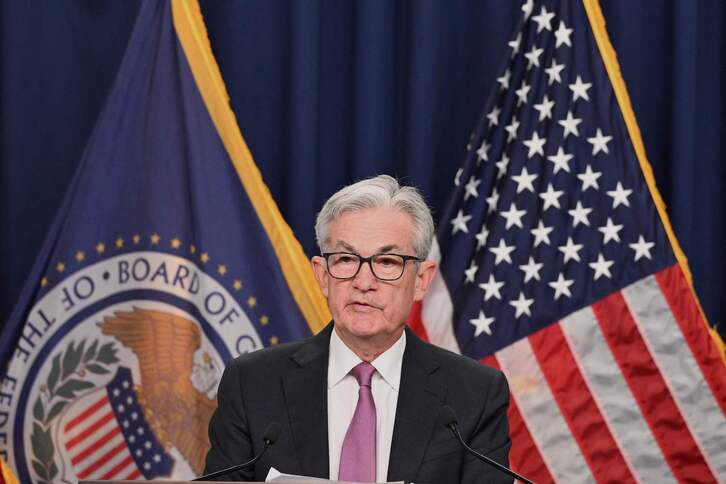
(343, 398)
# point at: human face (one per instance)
(365, 308)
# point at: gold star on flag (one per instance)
(119, 243)
(204, 258)
(193, 249)
(80, 256)
(44, 282)
(100, 247)
(252, 301)
(60, 267)
(274, 340)
(175, 243)
(136, 238)
(155, 239)
(237, 285)
(222, 270)
(264, 320)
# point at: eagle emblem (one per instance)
(176, 409)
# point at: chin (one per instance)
(362, 326)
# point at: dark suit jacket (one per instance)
(288, 384)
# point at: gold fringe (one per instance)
(607, 52)
(296, 268)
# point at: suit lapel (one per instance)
(305, 389)
(419, 401)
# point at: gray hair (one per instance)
(377, 192)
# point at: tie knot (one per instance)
(363, 372)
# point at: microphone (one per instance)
(272, 432)
(452, 423)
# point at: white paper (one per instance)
(276, 476)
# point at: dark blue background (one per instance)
(326, 92)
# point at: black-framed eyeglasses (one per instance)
(386, 267)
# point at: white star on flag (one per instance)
(551, 197)
(541, 234)
(620, 195)
(459, 223)
(481, 237)
(543, 20)
(561, 286)
(470, 273)
(493, 116)
(512, 128)
(570, 250)
(570, 124)
(502, 165)
(504, 80)
(457, 178)
(521, 305)
(491, 288)
(579, 90)
(482, 324)
(561, 160)
(610, 231)
(599, 142)
(642, 248)
(553, 72)
(579, 215)
(527, 8)
(562, 34)
(601, 268)
(531, 269)
(483, 151)
(514, 44)
(492, 201)
(524, 180)
(513, 216)
(502, 252)
(535, 145)
(545, 108)
(471, 188)
(589, 178)
(533, 57)
(522, 93)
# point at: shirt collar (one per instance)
(342, 360)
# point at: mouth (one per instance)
(361, 307)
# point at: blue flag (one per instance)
(167, 258)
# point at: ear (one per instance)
(321, 273)
(426, 273)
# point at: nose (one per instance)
(364, 280)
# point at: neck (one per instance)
(370, 348)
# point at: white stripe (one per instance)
(67, 437)
(541, 414)
(120, 473)
(100, 452)
(437, 310)
(614, 398)
(679, 369)
(85, 423)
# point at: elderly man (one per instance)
(362, 400)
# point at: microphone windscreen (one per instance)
(272, 432)
(448, 416)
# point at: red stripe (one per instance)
(578, 407)
(102, 460)
(683, 305)
(86, 413)
(133, 476)
(650, 390)
(415, 322)
(96, 445)
(89, 431)
(524, 457)
(118, 468)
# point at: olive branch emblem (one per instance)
(64, 383)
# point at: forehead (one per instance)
(371, 229)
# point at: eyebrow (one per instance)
(381, 250)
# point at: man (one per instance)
(362, 400)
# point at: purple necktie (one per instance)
(358, 456)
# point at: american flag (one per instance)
(107, 436)
(558, 266)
